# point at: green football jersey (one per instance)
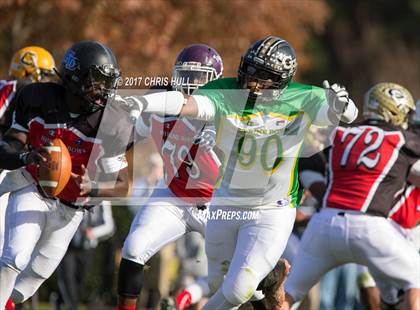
(260, 142)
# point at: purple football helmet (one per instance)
(196, 65)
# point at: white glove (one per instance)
(206, 138)
(135, 107)
(340, 102)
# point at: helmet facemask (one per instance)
(99, 86)
(190, 76)
(263, 83)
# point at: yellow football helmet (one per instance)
(32, 62)
(389, 102)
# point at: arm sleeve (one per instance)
(143, 129)
(116, 132)
(210, 101)
(206, 108)
(107, 228)
(23, 112)
(317, 107)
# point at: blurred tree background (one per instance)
(357, 43)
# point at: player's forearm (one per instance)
(10, 152)
(163, 103)
(174, 103)
(110, 189)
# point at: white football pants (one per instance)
(164, 219)
(336, 237)
(37, 234)
(241, 252)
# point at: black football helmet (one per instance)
(269, 63)
(89, 69)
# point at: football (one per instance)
(55, 176)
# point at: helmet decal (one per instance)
(70, 61)
(29, 58)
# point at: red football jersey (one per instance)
(80, 148)
(407, 210)
(7, 92)
(367, 168)
(190, 172)
(42, 112)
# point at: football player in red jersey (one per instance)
(368, 165)
(30, 64)
(179, 206)
(405, 213)
(39, 228)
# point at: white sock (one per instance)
(198, 290)
(7, 282)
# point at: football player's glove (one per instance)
(340, 98)
(206, 138)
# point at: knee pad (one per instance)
(239, 288)
(130, 278)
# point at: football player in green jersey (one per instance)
(261, 119)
